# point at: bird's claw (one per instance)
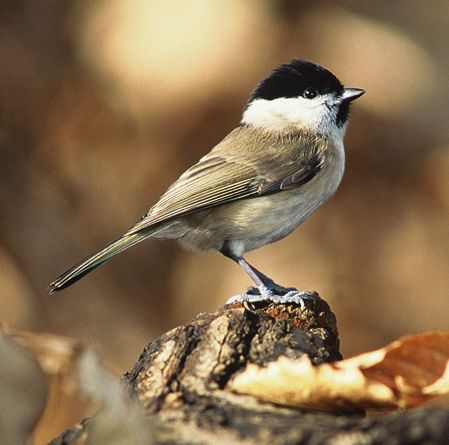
(256, 295)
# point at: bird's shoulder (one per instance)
(248, 162)
(250, 144)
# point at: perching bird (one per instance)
(284, 160)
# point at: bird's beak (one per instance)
(351, 94)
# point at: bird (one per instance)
(283, 161)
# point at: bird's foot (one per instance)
(275, 294)
(271, 288)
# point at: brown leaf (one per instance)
(404, 373)
(66, 404)
(22, 392)
(78, 384)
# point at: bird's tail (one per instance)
(95, 260)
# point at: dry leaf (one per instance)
(22, 392)
(66, 405)
(403, 374)
(78, 382)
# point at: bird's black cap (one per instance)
(292, 79)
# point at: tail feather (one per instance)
(95, 260)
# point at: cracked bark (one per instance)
(181, 381)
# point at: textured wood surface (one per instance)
(181, 381)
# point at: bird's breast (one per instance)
(252, 223)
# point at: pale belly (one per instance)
(251, 223)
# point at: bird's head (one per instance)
(300, 95)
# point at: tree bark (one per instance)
(181, 381)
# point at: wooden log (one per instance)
(181, 380)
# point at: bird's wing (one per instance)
(219, 179)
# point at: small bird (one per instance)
(282, 162)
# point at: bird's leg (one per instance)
(267, 281)
(268, 289)
(259, 278)
(263, 283)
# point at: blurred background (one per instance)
(105, 103)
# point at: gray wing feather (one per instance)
(292, 177)
(219, 179)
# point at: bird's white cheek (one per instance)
(307, 112)
(284, 112)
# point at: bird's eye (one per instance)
(310, 93)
